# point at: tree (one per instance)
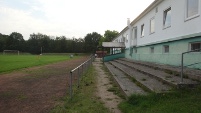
(15, 41)
(3, 41)
(110, 35)
(92, 41)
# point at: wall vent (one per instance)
(156, 10)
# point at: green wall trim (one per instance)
(173, 57)
(112, 57)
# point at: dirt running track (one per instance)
(37, 89)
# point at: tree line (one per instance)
(58, 44)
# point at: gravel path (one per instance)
(103, 84)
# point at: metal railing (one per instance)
(76, 74)
(182, 62)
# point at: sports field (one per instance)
(15, 62)
(36, 89)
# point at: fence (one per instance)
(182, 61)
(76, 74)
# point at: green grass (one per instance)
(182, 101)
(14, 62)
(84, 99)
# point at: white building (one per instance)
(163, 31)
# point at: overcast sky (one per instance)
(70, 18)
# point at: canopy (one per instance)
(113, 44)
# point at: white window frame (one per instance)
(186, 11)
(153, 18)
(164, 19)
(190, 48)
(142, 32)
(164, 46)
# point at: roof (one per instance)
(101, 52)
(113, 44)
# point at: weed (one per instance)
(6, 94)
(168, 76)
(144, 79)
(177, 74)
(168, 72)
(115, 88)
(177, 101)
(84, 100)
(21, 96)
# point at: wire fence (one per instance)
(76, 75)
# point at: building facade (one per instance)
(163, 31)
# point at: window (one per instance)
(123, 39)
(135, 31)
(142, 30)
(167, 18)
(152, 49)
(195, 46)
(152, 25)
(156, 10)
(127, 38)
(135, 50)
(192, 8)
(166, 48)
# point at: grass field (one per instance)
(14, 62)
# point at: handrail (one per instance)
(71, 74)
(182, 61)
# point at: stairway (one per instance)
(136, 77)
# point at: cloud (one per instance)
(72, 18)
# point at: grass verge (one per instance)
(181, 101)
(84, 99)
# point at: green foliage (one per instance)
(84, 99)
(174, 102)
(91, 42)
(51, 44)
(110, 35)
(3, 41)
(14, 62)
(15, 42)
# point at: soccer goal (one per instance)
(11, 52)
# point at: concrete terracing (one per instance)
(149, 77)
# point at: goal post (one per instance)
(11, 52)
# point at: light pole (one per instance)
(41, 50)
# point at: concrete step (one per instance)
(159, 74)
(194, 74)
(146, 81)
(127, 86)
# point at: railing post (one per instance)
(78, 78)
(71, 82)
(182, 64)
(82, 69)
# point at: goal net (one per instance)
(11, 52)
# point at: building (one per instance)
(163, 31)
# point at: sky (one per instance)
(70, 18)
